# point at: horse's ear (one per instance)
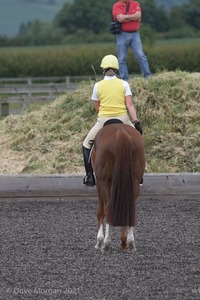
(112, 121)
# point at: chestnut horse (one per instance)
(118, 162)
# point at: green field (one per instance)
(159, 42)
(182, 41)
(76, 60)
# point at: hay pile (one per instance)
(48, 140)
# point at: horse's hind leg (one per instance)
(100, 216)
(123, 238)
(130, 238)
(107, 240)
(100, 237)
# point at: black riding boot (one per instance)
(89, 179)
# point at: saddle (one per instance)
(109, 122)
(113, 121)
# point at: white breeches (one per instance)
(99, 124)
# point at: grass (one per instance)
(181, 41)
(158, 42)
(48, 140)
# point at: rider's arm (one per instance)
(95, 97)
(129, 101)
(96, 105)
(131, 108)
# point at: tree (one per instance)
(91, 15)
(38, 33)
(187, 14)
(155, 16)
(22, 29)
(192, 13)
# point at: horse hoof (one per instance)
(105, 248)
(131, 246)
(98, 245)
(123, 245)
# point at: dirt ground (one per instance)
(47, 252)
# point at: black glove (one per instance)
(138, 127)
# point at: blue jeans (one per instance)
(124, 40)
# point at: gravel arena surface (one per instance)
(47, 252)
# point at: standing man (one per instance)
(128, 13)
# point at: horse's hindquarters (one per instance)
(118, 162)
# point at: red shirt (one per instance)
(120, 8)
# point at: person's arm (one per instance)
(96, 105)
(131, 108)
(126, 18)
(95, 99)
(116, 11)
(132, 112)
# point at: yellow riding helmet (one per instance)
(110, 61)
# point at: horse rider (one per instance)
(112, 98)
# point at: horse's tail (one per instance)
(121, 202)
